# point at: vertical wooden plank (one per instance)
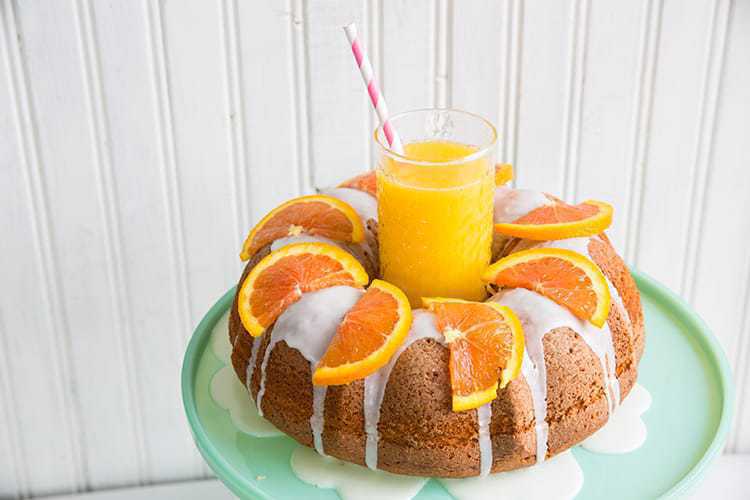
(122, 331)
(18, 268)
(609, 94)
(408, 47)
(157, 325)
(201, 125)
(648, 50)
(713, 73)
(481, 59)
(546, 52)
(338, 114)
(74, 234)
(263, 35)
(721, 288)
(675, 120)
(13, 468)
(197, 88)
(574, 82)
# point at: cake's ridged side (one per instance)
(612, 265)
(420, 434)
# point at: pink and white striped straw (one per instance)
(376, 97)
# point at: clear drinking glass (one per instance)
(435, 203)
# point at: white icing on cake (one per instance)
(362, 203)
(625, 431)
(220, 345)
(539, 315)
(604, 347)
(560, 477)
(512, 204)
(350, 481)
(308, 325)
(303, 238)
(228, 393)
(423, 327)
(484, 418)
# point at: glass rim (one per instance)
(379, 137)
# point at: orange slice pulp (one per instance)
(366, 182)
(486, 348)
(281, 278)
(503, 173)
(566, 277)
(316, 215)
(560, 220)
(367, 337)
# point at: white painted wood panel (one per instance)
(89, 339)
(28, 323)
(264, 138)
(600, 152)
(140, 140)
(720, 288)
(545, 47)
(134, 155)
(663, 218)
(338, 114)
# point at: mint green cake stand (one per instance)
(684, 368)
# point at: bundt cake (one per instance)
(399, 419)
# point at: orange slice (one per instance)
(503, 173)
(560, 220)
(567, 277)
(366, 182)
(368, 336)
(316, 215)
(486, 345)
(283, 276)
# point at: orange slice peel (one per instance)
(281, 277)
(486, 348)
(367, 338)
(564, 276)
(560, 220)
(366, 182)
(316, 215)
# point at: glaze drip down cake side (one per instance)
(400, 418)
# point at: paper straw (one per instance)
(376, 97)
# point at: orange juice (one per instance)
(435, 220)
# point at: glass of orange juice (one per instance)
(435, 202)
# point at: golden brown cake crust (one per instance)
(420, 434)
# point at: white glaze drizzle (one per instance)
(423, 327)
(484, 417)
(535, 374)
(228, 393)
(625, 431)
(350, 481)
(601, 342)
(362, 203)
(251, 362)
(559, 477)
(512, 204)
(539, 315)
(220, 345)
(303, 238)
(317, 419)
(308, 325)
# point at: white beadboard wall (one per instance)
(140, 139)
